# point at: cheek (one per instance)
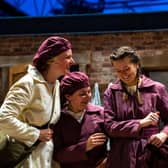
(64, 66)
(120, 75)
(75, 100)
(63, 63)
(134, 71)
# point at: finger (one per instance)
(158, 113)
(157, 144)
(99, 134)
(155, 116)
(50, 131)
(155, 119)
(155, 141)
(99, 141)
(100, 138)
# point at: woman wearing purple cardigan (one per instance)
(78, 136)
(134, 105)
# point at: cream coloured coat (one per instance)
(28, 104)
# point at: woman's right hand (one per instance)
(95, 140)
(151, 119)
(45, 134)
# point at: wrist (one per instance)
(165, 135)
(142, 123)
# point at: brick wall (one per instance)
(91, 51)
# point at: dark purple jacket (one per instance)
(122, 121)
(70, 138)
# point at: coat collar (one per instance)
(36, 75)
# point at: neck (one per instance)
(74, 110)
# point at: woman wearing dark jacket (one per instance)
(78, 136)
(133, 106)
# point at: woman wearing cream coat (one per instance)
(34, 100)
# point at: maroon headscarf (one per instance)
(50, 48)
(73, 81)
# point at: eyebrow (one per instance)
(122, 69)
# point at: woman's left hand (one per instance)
(158, 139)
(95, 140)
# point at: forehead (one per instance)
(82, 90)
(124, 62)
(63, 55)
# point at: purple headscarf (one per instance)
(50, 48)
(74, 81)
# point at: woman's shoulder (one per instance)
(149, 82)
(25, 84)
(26, 80)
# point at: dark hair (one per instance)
(121, 53)
(125, 51)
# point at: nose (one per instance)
(89, 95)
(72, 61)
(124, 73)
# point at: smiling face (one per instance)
(63, 62)
(59, 65)
(79, 99)
(126, 70)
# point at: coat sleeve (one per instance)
(17, 99)
(162, 106)
(67, 154)
(113, 127)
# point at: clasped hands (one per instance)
(152, 119)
